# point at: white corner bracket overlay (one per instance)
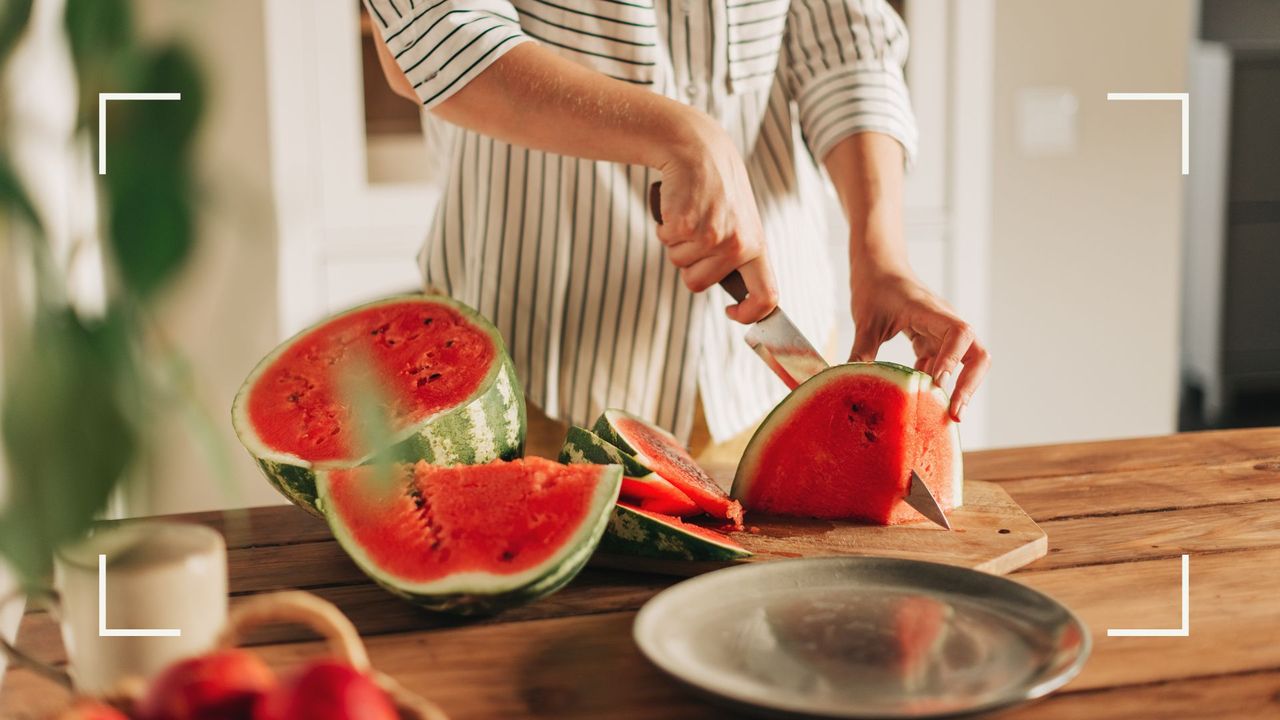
(1183, 631)
(1184, 98)
(102, 118)
(104, 631)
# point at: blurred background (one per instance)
(1120, 298)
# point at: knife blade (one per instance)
(774, 338)
(919, 497)
(793, 359)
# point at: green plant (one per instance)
(80, 389)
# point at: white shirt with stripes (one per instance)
(562, 254)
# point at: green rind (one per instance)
(485, 593)
(583, 446)
(633, 533)
(451, 437)
(605, 430)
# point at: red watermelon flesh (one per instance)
(657, 495)
(428, 354)
(844, 443)
(501, 518)
(661, 452)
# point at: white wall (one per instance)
(222, 313)
(1085, 246)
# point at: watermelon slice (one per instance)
(635, 531)
(660, 451)
(843, 445)
(456, 396)
(471, 538)
(639, 485)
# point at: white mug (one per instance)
(165, 593)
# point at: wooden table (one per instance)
(1119, 515)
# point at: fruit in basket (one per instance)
(222, 685)
(86, 709)
(635, 531)
(454, 391)
(470, 538)
(660, 452)
(843, 445)
(640, 485)
(326, 690)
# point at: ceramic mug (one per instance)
(165, 591)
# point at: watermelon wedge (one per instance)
(640, 485)
(455, 393)
(660, 451)
(470, 539)
(843, 445)
(636, 531)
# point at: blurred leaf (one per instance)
(97, 29)
(13, 20)
(151, 226)
(66, 433)
(372, 411)
(13, 197)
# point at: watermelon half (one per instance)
(456, 395)
(640, 485)
(660, 451)
(470, 539)
(635, 531)
(843, 445)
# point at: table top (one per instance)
(1119, 515)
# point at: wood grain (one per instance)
(990, 533)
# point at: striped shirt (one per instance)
(561, 252)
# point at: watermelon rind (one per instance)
(913, 382)
(482, 593)
(633, 532)
(604, 428)
(583, 446)
(488, 425)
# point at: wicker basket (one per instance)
(301, 608)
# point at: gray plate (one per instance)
(860, 637)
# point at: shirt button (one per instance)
(691, 91)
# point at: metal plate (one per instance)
(855, 637)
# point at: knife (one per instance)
(793, 359)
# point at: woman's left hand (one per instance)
(887, 302)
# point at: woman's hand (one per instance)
(710, 224)
(887, 302)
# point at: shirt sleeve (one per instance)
(442, 44)
(842, 63)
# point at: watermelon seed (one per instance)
(871, 437)
(380, 329)
(433, 377)
(854, 407)
(508, 555)
(427, 320)
(448, 343)
(294, 397)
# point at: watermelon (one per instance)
(660, 452)
(470, 539)
(456, 398)
(635, 531)
(843, 444)
(639, 484)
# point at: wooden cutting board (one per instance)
(990, 532)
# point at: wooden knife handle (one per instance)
(733, 282)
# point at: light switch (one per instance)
(1046, 121)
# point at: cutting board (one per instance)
(990, 532)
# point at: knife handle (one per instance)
(733, 282)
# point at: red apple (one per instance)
(327, 690)
(91, 710)
(223, 685)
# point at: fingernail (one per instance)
(943, 378)
(960, 410)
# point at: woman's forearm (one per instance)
(537, 99)
(866, 170)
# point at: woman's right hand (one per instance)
(710, 223)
